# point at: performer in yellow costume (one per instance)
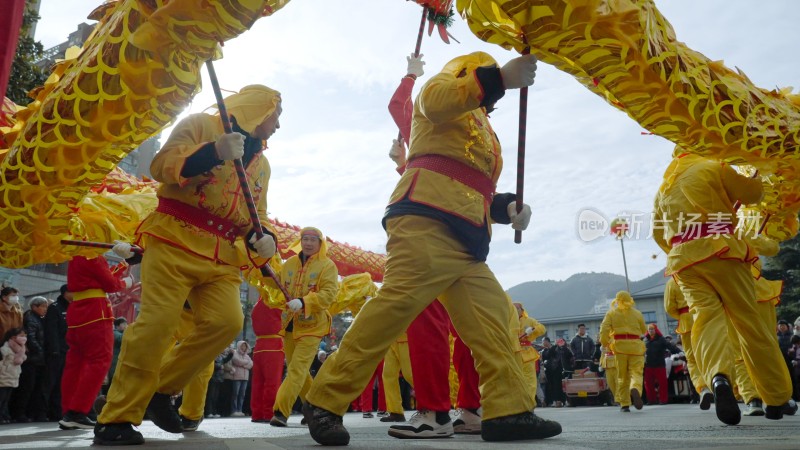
(529, 329)
(438, 223)
(695, 207)
(311, 277)
(396, 361)
(621, 332)
(675, 305)
(189, 242)
(608, 362)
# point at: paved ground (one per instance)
(657, 427)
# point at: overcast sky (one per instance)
(337, 63)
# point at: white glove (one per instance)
(265, 247)
(128, 282)
(519, 220)
(295, 305)
(528, 330)
(415, 64)
(519, 72)
(122, 249)
(398, 152)
(230, 146)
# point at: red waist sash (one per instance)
(456, 170)
(200, 218)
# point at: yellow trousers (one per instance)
(426, 261)
(766, 313)
(170, 276)
(395, 362)
(300, 354)
(194, 394)
(611, 378)
(695, 373)
(630, 372)
(716, 288)
(529, 371)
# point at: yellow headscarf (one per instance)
(252, 105)
(469, 62)
(623, 300)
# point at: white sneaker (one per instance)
(754, 408)
(237, 414)
(467, 422)
(423, 425)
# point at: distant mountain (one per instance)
(578, 294)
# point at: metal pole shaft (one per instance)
(625, 265)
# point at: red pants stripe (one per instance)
(429, 350)
(656, 376)
(91, 347)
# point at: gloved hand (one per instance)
(230, 146)
(519, 72)
(122, 249)
(128, 282)
(398, 152)
(519, 220)
(415, 64)
(528, 330)
(265, 247)
(295, 305)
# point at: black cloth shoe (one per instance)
(394, 417)
(725, 403)
(636, 399)
(189, 424)
(518, 427)
(116, 434)
(325, 427)
(625, 409)
(163, 414)
(789, 408)
(772, 412)
(706, 397)
(75, 421)
(278, 420)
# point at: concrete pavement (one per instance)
(658, 427)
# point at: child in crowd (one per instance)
(13, 353)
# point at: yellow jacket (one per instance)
(529, 353)
(623, 319)
(448, 120)
(673, 303)
(217, 192)
(699, 190)
(316, 282)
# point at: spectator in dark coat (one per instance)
(655, 366)
(55, 347)
(29, 400)
(583, 348)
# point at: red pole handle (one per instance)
(266, 270)
(523, 122)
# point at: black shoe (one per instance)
(189, 424)
(625, 409)
(367, 415)
(75, 421)
(116, 434)
(725, 403)
(773, 412)
(99, 403)
(636, 399)
(163, 414)
(394, 417)
(303, 421)
(526, 425)
(278, 420)
(382, 414)
(789, 408)
(325, 427)
(706, 397)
